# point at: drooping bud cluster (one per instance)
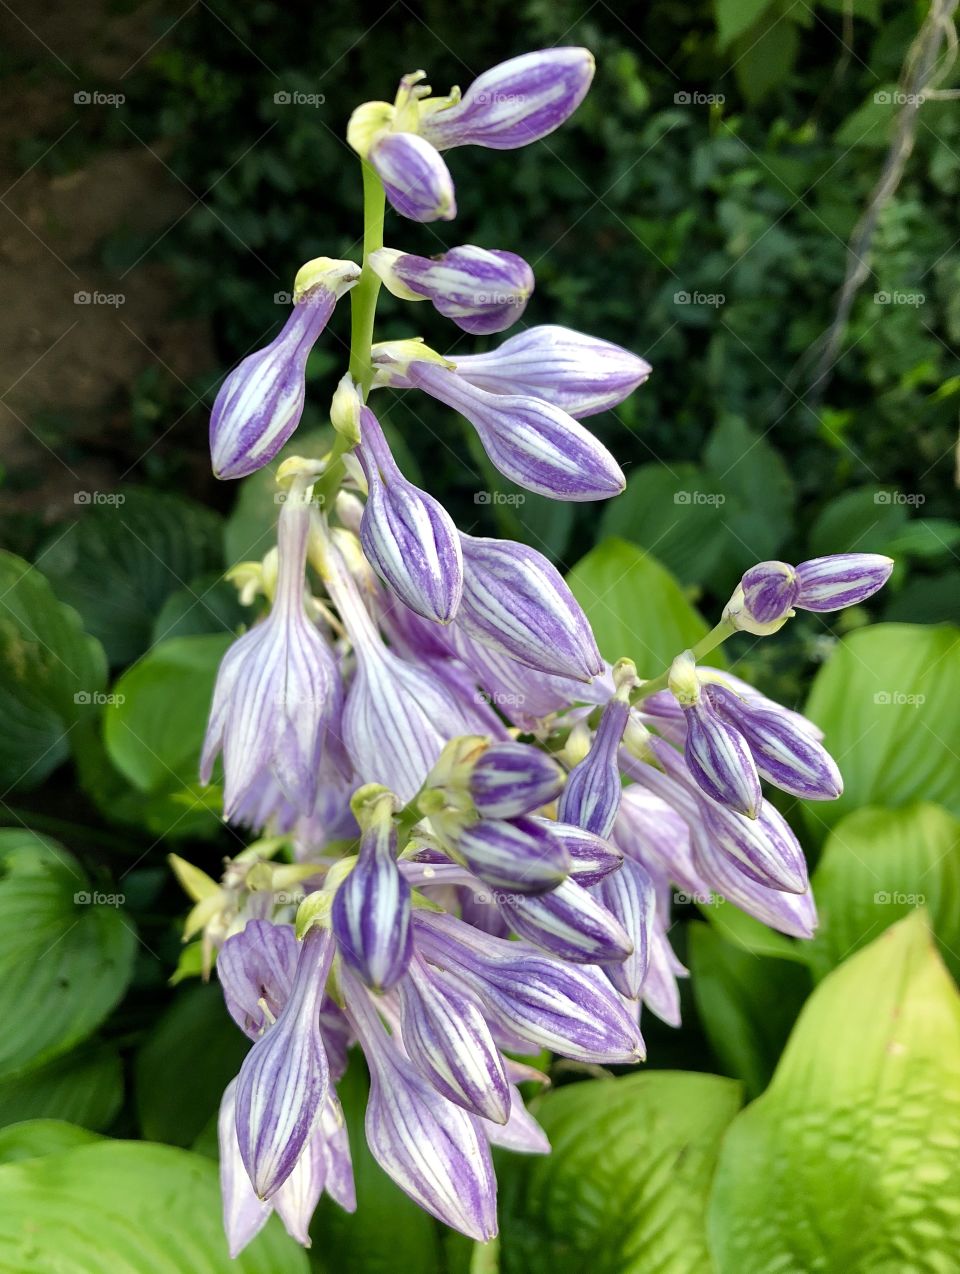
(470, 824)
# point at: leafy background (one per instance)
(698, 210)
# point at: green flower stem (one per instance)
(363, 309)
(714, 638)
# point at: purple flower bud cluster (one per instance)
(470, 824)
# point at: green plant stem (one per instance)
(714, 638)
(363, 309)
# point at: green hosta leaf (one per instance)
(733, 17)
(751, 935)
(126, 1206)
(51, 674)
(84, 1087)
(120, 561)
(34, 1138)
(635, 606)
(860, 521)
(625, 1188)
(66, 952)
(747, 1004)
(193, 1052)
(886, 700)
(850, 1162)
(220, 611)
(154, 730)
(877, 866)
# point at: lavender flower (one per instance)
(260, 403)
(516, 102)
(406, 535)
(568, 922)
(592, 795)
(417, 181)
(580, 374)
(765, 598)
(523, 855)
(278, 692)
(510, 779)
(516, 602)
(371, 908)
(482, 291)
(536, 445)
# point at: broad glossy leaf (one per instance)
(34, 1138)
(192, 1053)
(66, 951)
(51, 674)
(119, 562)
(887, 702)
(126, 1206)
(84, 1087)
(850, 1161)
(877, 866)
(635, 606)
(625, 1188)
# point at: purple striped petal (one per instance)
(244, 1215)
(580, 374)
(843, 579)
(415, 177)
(536, 445)
(512, 779)
(407, 535)
(785, 754)
(517, 602)
(790, 913)
(569, 923)
(660, 993)
(522, 855)
(371, 912)
(568, 1009)
(651, 832)
(515, 102)
(770, 591)
(481, 290)
(449, 1042)
(629, 896)
(431, 1148)
(591, 797)
(284, 1079)
(719, 759)
(521, 1133)
(591, 857)
(256, 969)
(260, 403)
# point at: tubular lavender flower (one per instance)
(482, 291)
(467, 824)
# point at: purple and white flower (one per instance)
(480, 289)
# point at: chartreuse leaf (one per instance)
(192, 1053)
(877, 866)
(66, 952)
(850, 1161)
(84, 1086)
(154, 727)
(747, 1004)
(636, 608)
(120, 561)
(887, 702)
(51, 674)
(34, 1138)
(130, 1208)
(625, 1189)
